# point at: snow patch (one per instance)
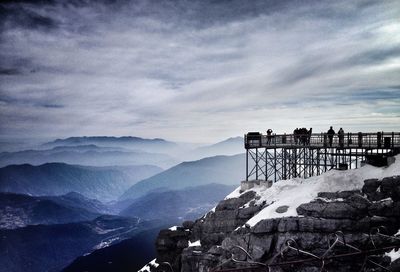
(100, 230)
(394, 254)
(330, 200)
(235, 194)
(147, 267)
(106, 243)
(197, 243)
(174, 228)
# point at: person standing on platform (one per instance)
(295, 136)
(330, 133)
(341, 137)
(309, 136)
(269, 136)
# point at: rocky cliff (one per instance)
(347, 230)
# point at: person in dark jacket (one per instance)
(341, 137)
(295, 136)
(309, 136)
(330, 133)
(269, 136)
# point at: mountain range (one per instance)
(17, 210)
(111, 151)
(227, 170)
(90, 155)
(102, 183)
(64, 211)
(177, 205)
(230, 146)
(149, 145)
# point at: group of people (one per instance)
(331, 133)
(302, 136)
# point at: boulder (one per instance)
(247, 213)
(282, 209)
(390, 187)
(188, 225)
(336, 195)
(359, 202)
(230, 204)
(334, 209)
(265, 226)
(371, 185)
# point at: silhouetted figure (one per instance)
(269, 136)
(330, 133)
(341, 137)
(303, 135)
(296, 136)
(360, 139)
(379, 139)
(309, 136)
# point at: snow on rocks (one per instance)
(394, 254)
(196, 243)
(292, 193)
(147, 267)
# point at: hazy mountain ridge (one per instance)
(227, 170)
(106, 151)
(104, 184)
(179, 193)
(18, 210)
(107, 139)
(171, 207)
(178, 205)
(89, 147)
(90, 155)
(149, 145)
(230, 146)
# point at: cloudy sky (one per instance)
(197, 70)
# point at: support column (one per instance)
(256, 163)
(275, 164)
(247, 165)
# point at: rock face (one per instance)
(347, 216)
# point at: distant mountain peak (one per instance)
(106, 138)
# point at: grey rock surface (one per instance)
(350, 214)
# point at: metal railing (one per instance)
(378, 140)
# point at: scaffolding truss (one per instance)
(278, 157)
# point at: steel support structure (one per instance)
(284, 157)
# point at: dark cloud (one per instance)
(10, 71)
(25, 18)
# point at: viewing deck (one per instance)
(282, 156)
(379, 140)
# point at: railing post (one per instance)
(393, 140)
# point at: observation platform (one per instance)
(379, 140)
(283, 156)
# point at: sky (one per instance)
(197, 70)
